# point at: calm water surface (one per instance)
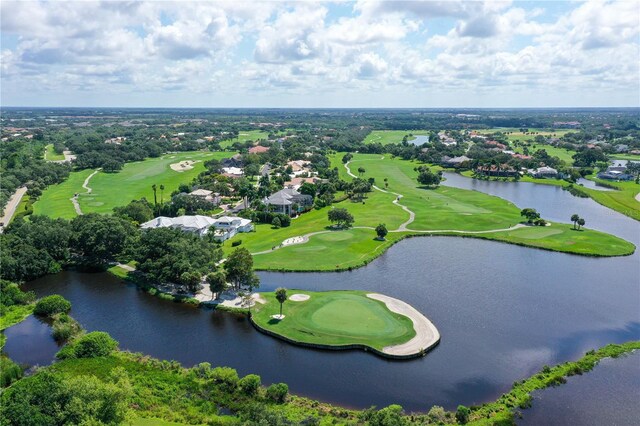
(615, 383)
(503, 312)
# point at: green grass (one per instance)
(517, 135)
(51, 155)
(623, 200)
(631, 157)
(13, 315)
(245, 135)
(565, 155)
(335, 318)
(562, 237)
(133, 182)
(386, 137)
(141, 421)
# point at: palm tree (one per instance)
(161, 194)
(581, 222)
(574, 219)
(281, 296)
(155, 196)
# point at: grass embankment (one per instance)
(245, 135)
(51, 155)
(13, 315)
(163, 392)
(623, 200)
(441, 209)
(520, 395)
(334, 319)
(110, 190)
(386, 137)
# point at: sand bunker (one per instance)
(183, 165)
(278, 317)
(294, 240)
(299, 297)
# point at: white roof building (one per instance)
(224, 227)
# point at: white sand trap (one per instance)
(278, 317)
(294, 240)
(183, 165)
(298, 297)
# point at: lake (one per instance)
(503, 312)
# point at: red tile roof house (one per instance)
(258, 149)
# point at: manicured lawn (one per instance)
(562, 237)
(335, 318)
(55, 200)
(386, 137)
(134, 181)
(623, 200)
(565, 155)
(630, 157)
(51, 155)
(245, 135)
(517, 135)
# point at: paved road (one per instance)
(12, 205)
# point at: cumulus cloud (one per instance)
(280, 49)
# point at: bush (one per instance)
(226, 377)
(94, 344)
(65, 327)
(278, 392)
(462, 414)
(236, 243)
(9, 371)
(51, 305)
(250, 384)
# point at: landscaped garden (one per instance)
(334, 319)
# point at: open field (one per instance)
(335, 318)
(245, 135)
(623, 201)
(565, 155)
(117, 189)
(386, 137)
(516, 135)
(51, 155)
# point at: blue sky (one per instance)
(320, 54)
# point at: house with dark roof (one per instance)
(235, 161)
(288, 201)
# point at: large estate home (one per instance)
(205, 194)
(288, 201)
(224, 227)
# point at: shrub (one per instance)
(285, 220)
(236, 243)
(250, 384)
(462, 414)
(276, 222)
(9, 371)
(437, 414)
(51, 305)
(94, 344)
(226, 377)
(65, 327)
(278, 392)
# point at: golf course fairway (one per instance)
(347, 320)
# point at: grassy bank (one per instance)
(51, 155)
(13, 315)
(334, 319)
(109, 190)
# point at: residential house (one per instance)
(545, 172)
(212, 197)
(235, 161)
(286, 200)
(223, 228)
(502, 171)
(455, 161)
(258, 149)
(233, 172)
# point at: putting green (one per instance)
(334, 319)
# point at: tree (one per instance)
(161, 194)
(574, 219)
(386, 183)
(100, 238)
(217, 282)
(347, 157)
(427, 177)
(278, 392)
(381, 231)
(239, 268)
(530, 214)
(281, 297)
(138, 211)
(250, 384)
(341, 217)
(462, 414)
(155, 196)
(94, 344)
(51, 305)
(361, 171)
(276, 222)
(192, 280)
(581, 222)
(308, 189)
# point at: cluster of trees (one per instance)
(427, 177)
(341, 217)
(533, 217)
(577, 220)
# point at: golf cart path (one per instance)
(427, 335)
(88, 189)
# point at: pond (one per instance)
(587, 183)
(419, 139)
(503, 312)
